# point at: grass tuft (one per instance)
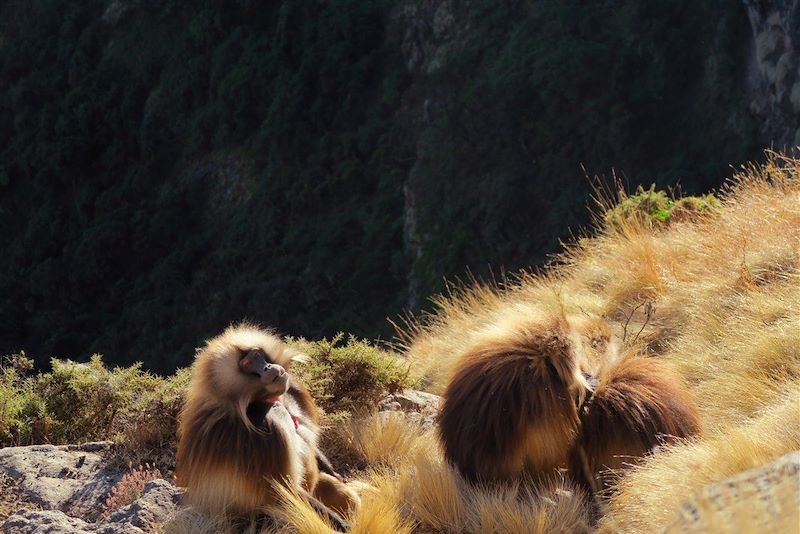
(129, 488)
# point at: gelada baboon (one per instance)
(247, 425)
(533, 395)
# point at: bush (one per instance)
(23, 418)
(147, 431)
(654, 208)
(688, 208)
(349, 376)
(83, 399)
(80, 402)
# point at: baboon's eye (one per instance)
(255, 352)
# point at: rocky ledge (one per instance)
(63, 490)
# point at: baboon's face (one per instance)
(261, 372)
(245, 364)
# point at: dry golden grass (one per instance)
(380, 509)
(386, 440)
(673, 475)
(190, 521)
(414, 490)
(724, 288)
(716, 295)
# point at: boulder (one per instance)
(69, 478)
(160, 499)
(71, 484)
(44, 522)
(411, 400)
(418, 407)
(764, 499)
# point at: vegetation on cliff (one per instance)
(169, 168)
(713, 295)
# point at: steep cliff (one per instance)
(509, 110)
(168, 168)
(775, 79)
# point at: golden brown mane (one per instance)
(536, 394)
(238, 438)
(510, 405)
(638, 404)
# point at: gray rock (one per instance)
(419, 400)
(72, 484)
(764, 499)
(417, 407)
(443, 20)
(769, 42)
(158, 502)
(785, 66)
(775, 25)
(434, 33)
(794, 97)
(44, 522)
(411, 400)
(114, 12)
(69, 478)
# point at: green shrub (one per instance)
(688, 208)
(146, 432)
(23, 418)
(349, 376)
(84, 398)
(646, 204)
(80, 402)
(656, 208)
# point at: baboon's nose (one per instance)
(272, 372)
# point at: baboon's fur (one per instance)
(535, 395)
(511, 404)
(235, 446)
(637, 405)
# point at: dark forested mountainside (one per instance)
(169, 167)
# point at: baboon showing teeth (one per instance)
(248, 425)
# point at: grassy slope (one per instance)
(724, 285)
